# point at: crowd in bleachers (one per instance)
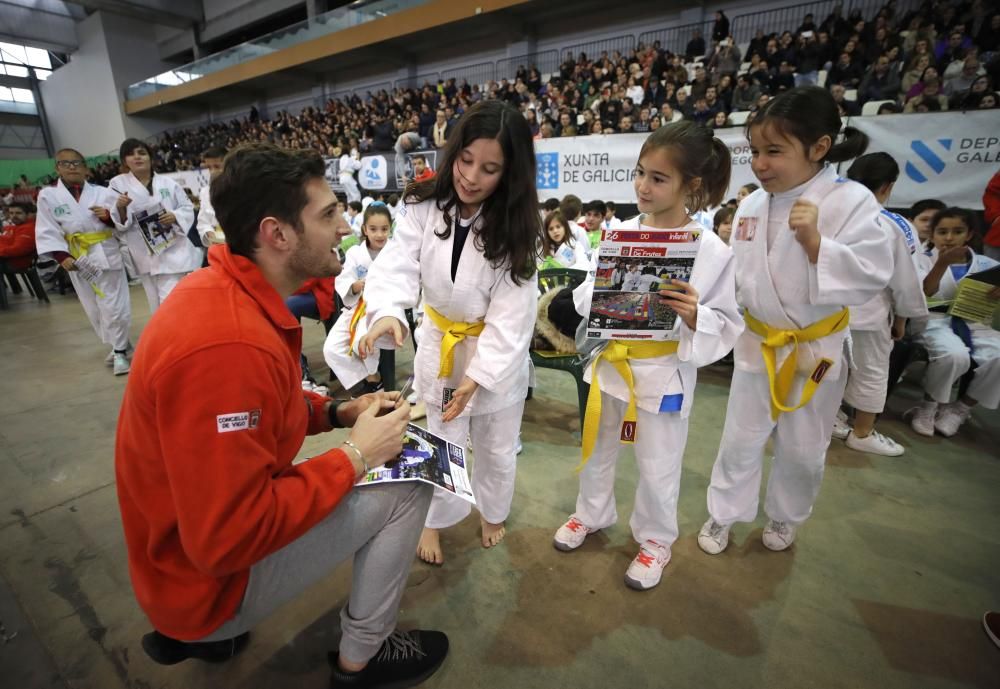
(940, 56)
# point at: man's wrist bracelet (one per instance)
(331, 415)
(361, 457)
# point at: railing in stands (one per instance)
(417, 81)
(743, 27)
(545, 62)
(675, 38)
(479, 73)
(593, 49)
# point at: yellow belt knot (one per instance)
(781, 380)
(617, 353)
(79, 244)
(454, 332)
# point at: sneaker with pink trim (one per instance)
(646, 569)
(571, 535)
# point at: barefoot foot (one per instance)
(492, 533)
(429, 548)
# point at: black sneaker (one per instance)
(405, 660)
(166, 651)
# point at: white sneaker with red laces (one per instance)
(571, 535)
(647, 567)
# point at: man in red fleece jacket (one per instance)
(221, 528)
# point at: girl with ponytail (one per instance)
(808, 245)
(682, 169)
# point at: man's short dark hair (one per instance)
(596, 207)
(214, 152)
(262, 180)
(28, 208)
(419, 156)
(355, 206)
(551, 205)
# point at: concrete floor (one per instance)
(884, 588)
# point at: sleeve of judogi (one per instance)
(206, 214)
(906, 288)
(719, 321)
(393, 281)
(182, 208)
(49, 236)
(348, 276)
(510, 323)
(855, 264)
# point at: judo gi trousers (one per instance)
(659, 451)
(157, 287)
(494, 466)
(949, 360)
(801, 439)
(868, 381)
(110, 315)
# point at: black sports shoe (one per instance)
(405, 660)
(166, 651)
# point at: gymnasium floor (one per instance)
(884, 588)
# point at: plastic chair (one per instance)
(30, 277)
(871, 107)
(573, 364)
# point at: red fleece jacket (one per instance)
(213, 415)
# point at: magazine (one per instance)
(428, 458)
(632, 266)
(157, 235)
(972, 302)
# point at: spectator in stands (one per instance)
(989, 101)
(666, 113)
(625, 125)
(951, 47)
(930, 99)
(928, 74)
(726, 58)
(880, 83)
(642, 124)
(745, 94)
(845, 73)
(825, 50)
(700, 83)
(849, 107)
(720, 29)
(655, 95)
(917, 65)
(696, 46)
(988, 38)
(758, 44)
(683, 104)
(963, 80)
(720, 120)
(17, 240)
(784, 79)
(888, 108)
(808, 61)
(701, 112)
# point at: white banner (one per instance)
(603, 166)
(946, 156)
(192, 179)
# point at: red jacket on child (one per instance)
(213, 415)
(17, 244)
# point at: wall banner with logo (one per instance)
(947, 156)
(603, 166)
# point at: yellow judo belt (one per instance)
(79, 245)
(782, 380)
(617, 353)
(352, 329)
(454, 332)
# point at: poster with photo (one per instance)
(633, 265)
(158, 236)
(429, 458)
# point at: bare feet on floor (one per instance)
(492, 533)
(429, 548)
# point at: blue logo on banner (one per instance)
(548, 170)
(929, 157)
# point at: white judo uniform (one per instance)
(207, 222)
(105, 299)
(348, 166)
(572, 255)
(871, 322)
(949, 357)
(662, 417)
(339, 350)
(497, 359)
(159, 273)
(776, 283)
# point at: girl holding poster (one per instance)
(641, 390)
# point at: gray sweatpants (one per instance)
(380, 526)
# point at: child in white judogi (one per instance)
(139, 189)
(642, 390)
(877, 323)
(209, 229)
(74, 226)
(349, 164)
(808, 245)
(560, 249)
(468, 239)
(340, 349)
(954, 345)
